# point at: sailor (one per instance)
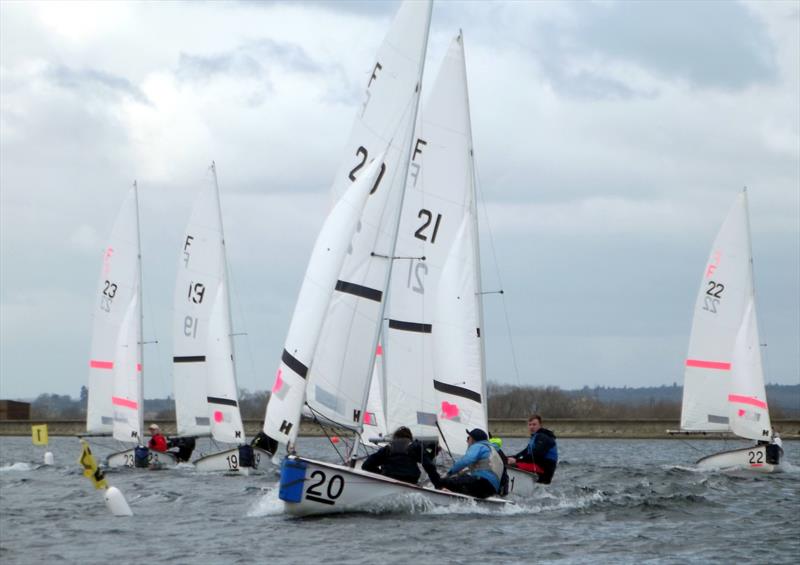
(400, 458)
(479, 472)
(184, 446)
(540, 456)
(157, 441)
(263, 441)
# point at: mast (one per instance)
(140, 331)
(387, 279)
(225, 282)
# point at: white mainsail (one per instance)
(723, 382)
(116, 335)
(206, 395)
(288, 392)
(339, 376)
(434, 355)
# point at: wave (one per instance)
(19, 466)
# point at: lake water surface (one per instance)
(612, 501)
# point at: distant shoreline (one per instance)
(505, 428)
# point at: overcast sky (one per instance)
(611, 140)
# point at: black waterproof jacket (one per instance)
(399, 460)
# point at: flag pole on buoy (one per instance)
(115, 500)
(39, 437)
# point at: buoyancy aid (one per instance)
(493, 463)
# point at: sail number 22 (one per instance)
(319, 491)
(713, 296)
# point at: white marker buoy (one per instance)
(116, 503)
(48, 458)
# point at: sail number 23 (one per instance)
(323, 490)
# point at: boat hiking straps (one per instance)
(319, 423)
(444, 439)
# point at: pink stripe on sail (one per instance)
(708, 364)
(379, 351)
(124, 402)
(751, 400)
(139, 367)
(94, 364)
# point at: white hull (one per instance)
(750, 458)
(157, 459)
(228, 462)
(521, 483)
(326, 488)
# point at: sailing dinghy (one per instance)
(724, 381)
(204, 371)
(115, 403)
(331, 346)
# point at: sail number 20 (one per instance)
(329, 493)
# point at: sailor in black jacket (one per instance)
(399, 460)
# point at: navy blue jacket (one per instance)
(542, 445)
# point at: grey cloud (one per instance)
(709, 43)
(96, 82)
(249, 60)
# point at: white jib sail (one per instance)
(457, 351)
(747, 399)
(127, 397)
(223, 403)
(203, 366)
(340, 374)
(726, 288)
(425, 367)
(118, 284)
(330, 249)
(375, 418)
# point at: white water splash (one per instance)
(18, 466)
(267, 505)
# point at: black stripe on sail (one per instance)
(217, 400)
(410, 326)
(190, 359)
(294, 364)
(457, 391)
(360, 291)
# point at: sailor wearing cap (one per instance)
(157, 441)
(478, 473)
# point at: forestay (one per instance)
(339, 376)
(724, 383)
(206, 398)
(434, 357)
(116, 312)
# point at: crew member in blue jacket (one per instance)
(541, 454)
(478, 473)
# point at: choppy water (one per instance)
(612, 501)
